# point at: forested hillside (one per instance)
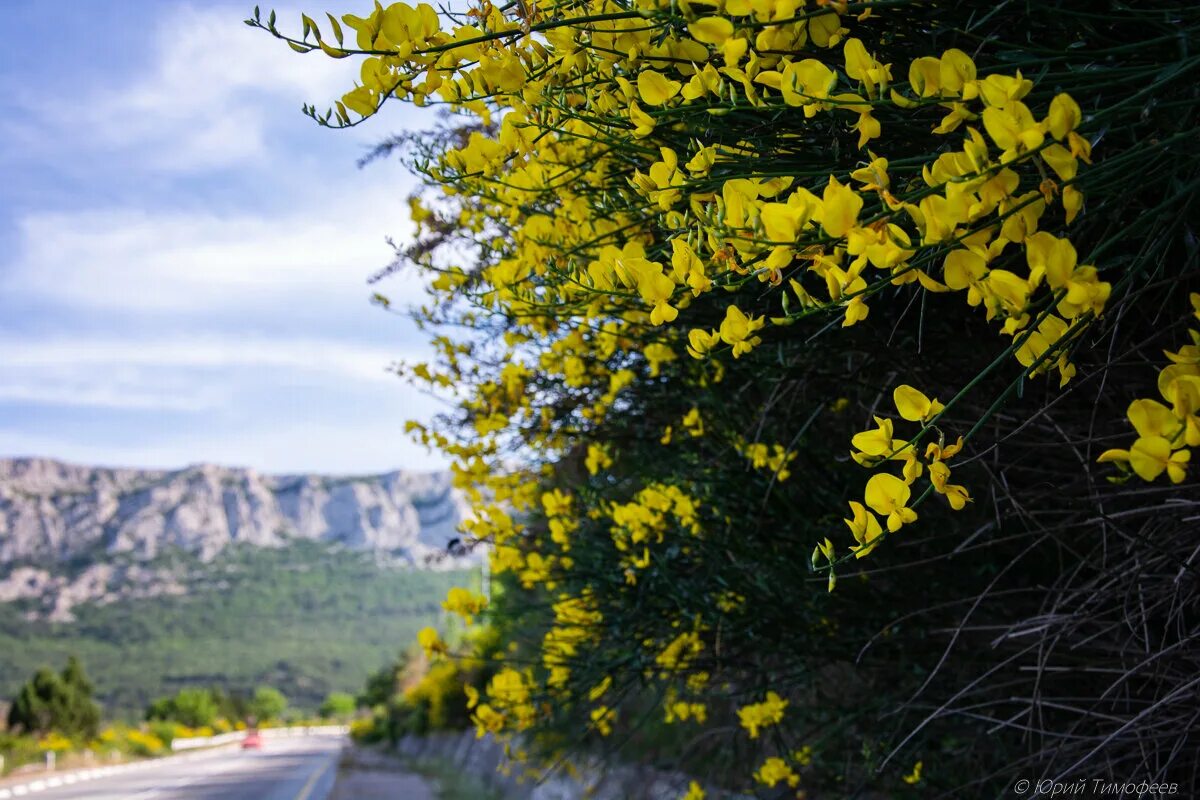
(306, 618)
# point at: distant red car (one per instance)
(253, 741)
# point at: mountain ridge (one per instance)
(52, 512)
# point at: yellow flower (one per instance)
(737, 330)
(956, 71)
(866, 529)
(643, 123)
(1152, 418)
(823, 548)
(597, 459)
(805, 84)
(599, 690)
(775, 770)
(602, 719)
(839, 208)
(701, 342)
(914, 777)
(943, 452)
(924, 76)
(487, 720)
(863, 67)
(782, 221)
(888, 495)
(761, 715)
(874, 176)
(1072, 201)
(1064, 116)
(1012, 128)
(913, 405)
(939, 475)
(875, 442)
(694, 792)
(463, 602)
(655, 89)
(711, 30)
(1151, 456)
(430, 641)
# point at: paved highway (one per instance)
(285, 769)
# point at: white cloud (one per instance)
(203, 102)
(73, 390)
(350, 360)
(191, 262)
(194, 374)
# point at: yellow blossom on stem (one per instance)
(865, 527)
(913, 405)
(877, 441)
(430, 641)
(769, 712)
(738, 329)
(888, 496)
(465, 603)
(774, 771)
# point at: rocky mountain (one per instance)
(56, 518)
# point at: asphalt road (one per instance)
(285, 769)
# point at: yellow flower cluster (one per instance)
(891, 496)
(774, 459)
(465, 603)
(678, 710)
(1166, 432)
(575, 626)
(774, 771)
(623, 237)
(757, 716)
(509, 706)
(645, 520)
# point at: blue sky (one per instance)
(183, 255)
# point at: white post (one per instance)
(50, 758)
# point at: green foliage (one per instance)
(268, 704)
(305, 619)
(338, 705)
(382, 684)
(17, 750)
(163, 731)
(52, 702)
(193, 707)
(414, 696)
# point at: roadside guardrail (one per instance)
(49, 780)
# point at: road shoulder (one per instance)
(368, 774)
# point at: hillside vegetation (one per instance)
(305, 618)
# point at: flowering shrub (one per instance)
(55, 742)
(687, 250)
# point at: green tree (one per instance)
(268, 703)
(192, 707)
(56, 702)
(230, 705)
(382, 684)
(338, 705)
